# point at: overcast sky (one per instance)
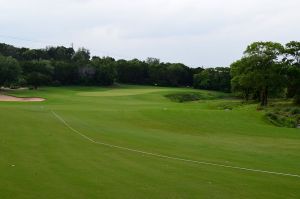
(194, 32)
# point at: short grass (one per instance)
(41, 158)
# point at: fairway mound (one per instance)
(6, 98)
(120, 92)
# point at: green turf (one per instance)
(51, 161)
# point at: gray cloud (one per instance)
(195, 32)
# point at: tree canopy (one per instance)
(267, 68)
(10, 71)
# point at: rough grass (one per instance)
(284, 116)
(184, 97)
(41, 158)
(193, 96)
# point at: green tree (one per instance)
(10, 71)
(242, 79)
(133, 71)
(81, 56)
(38, 73)
(60, 53)
(177, 74)
(65, 73)
(265, 68)
(292, 50)
(105, 72)
(213, 79)
(158, 73)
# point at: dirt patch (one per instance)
(6, 98)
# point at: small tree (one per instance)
(242, 79)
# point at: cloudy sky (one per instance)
(194, 32)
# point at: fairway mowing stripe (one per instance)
(170, 157)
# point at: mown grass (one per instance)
(50, 161)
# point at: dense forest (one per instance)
(65, 66)
(266, 69)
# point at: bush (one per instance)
(295, 111)
(297, 99)
(272, 116)
(56, 83)
(284, 117)
(184, 97)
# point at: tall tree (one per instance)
(292, 50)
(262, 65)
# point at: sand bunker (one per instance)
(6, 98)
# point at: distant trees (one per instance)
(10, 71)
(65, 66)
(38, 72)
(132, 72)
(213, 79)
(65, 73)
(177, 74)
(105, 73)
(81, 56)
(158, 73)
(266, 69)
(62, 53)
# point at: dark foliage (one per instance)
(184, 97)
(213, 79)
(70, 67)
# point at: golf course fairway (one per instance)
(133, 142)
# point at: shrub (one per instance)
(285, 117)
(184, 97)
(295, 111)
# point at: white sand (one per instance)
(6, 98)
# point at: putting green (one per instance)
(42, 156)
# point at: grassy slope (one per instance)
(53, 162)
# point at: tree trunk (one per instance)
(297, 97)
(247, 95)
(264, 97)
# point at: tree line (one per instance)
(61, 65)
(266, 69)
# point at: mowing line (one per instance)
(170, 157)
